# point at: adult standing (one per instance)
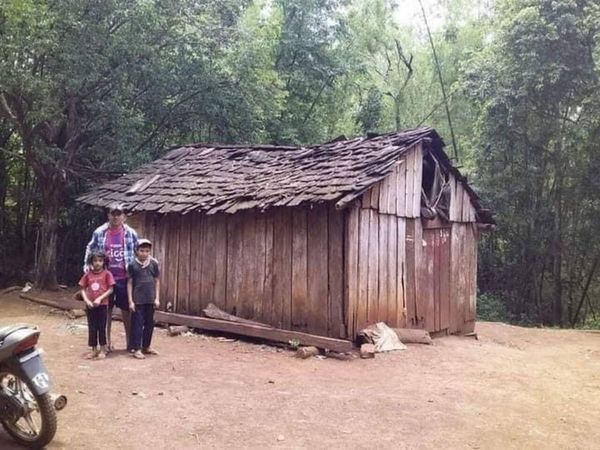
(119, 242)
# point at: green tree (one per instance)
(89, 85)
(536, 88)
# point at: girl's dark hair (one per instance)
(98, 254)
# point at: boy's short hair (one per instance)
(143, 243)
(98, 254)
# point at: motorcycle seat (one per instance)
(9, 329)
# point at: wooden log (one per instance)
(215, 313)
(307, 352)
(256, 331)
(65, 303)
(10, 289)
(412, 336)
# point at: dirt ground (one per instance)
(512, 388)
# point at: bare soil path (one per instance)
(512, 388)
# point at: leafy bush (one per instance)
(491, 307)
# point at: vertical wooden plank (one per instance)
(365, 199)
(137, 222)
(258, 270)
(267, 290)
(209, 256)
(420, 269)
(392, 253)
(282, 269)
(401, 189)
(401, 284)
(473, 280)
(220, 287)
(410, 183)
(445, 278)
(391, 187)
(454, 270)
(172, 260)
(410, 274)
(459, 197)
(159, 249)
(385, 194)
(195, 262)
(456, 201)
(363, 270)
(375, 196)
(418, 181)
(318, 274)
(299, 270)
(351, 274)
(466, 206)
(185, 252)
(335, 326)
(249, 271)
(382, 303)
(234, 262)
(373, 264)
(425, 293)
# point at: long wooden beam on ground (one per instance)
(243, 329)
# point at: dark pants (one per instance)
(142, 325)
(96, 325)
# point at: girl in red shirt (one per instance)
(96, 286)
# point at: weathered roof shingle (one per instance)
(230, 178)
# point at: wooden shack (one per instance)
(323, 239)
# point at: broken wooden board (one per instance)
(256, 331)
(214, 312)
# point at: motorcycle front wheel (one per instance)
(37, 426)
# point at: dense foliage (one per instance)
(91, 89)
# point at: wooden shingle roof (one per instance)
(230, 178)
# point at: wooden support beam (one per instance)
(256, 331)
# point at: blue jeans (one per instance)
(142, 326)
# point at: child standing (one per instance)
(143, 288)
(96, 286)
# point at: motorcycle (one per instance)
(27, 408)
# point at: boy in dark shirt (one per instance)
(143, 288)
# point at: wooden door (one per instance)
(435, 279)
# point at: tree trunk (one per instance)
(51, 192)
(557, 256)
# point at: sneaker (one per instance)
(150, 351)
(101, 355)
(138, 355)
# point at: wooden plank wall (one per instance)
(375, 267)
(463, 277)
(400, 192)
(283, 267)
(381, 232)
(419, 278)
(461, 208)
